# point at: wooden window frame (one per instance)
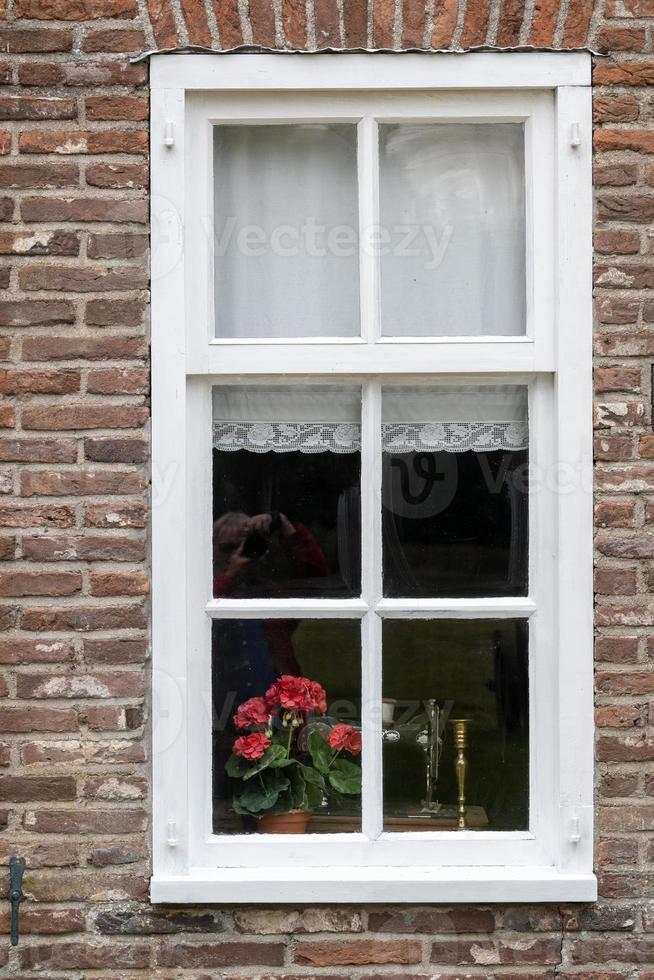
(550, 94)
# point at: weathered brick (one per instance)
(36, 651)
(28, 176)
(39, 583)
(35, 312)
(615, 108)
(39, 382)
(115, 515)
(118, 583)
(78, 417)
(116, 41)
(82, 482)
(117, 175)
(74, 9)
(35, 40)
(294, 20)
(24, 789)
(181, 954)
(358, 952)
(28, 718)
(36, 515)
(117, 246)
(82, 280)
(84, 955)
(113, 450)
(113, 652)
(86, 348)
(83, 209)
(82, 618)
(35, 107)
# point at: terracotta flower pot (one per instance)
(294, 822)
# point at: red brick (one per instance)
(115, 41)
(221, 954)
(74, 9)
(118, 515)
(114, 450)
(39, 243)
(197, 25)
(577, 22)
(81, 482)
(82, 209)
(638, 140)
(81, 280)
(294, 20)
(543, 23)
(117, 381)
(117, 175)
(383, 21)
(162, 20)
(33, 107)
(355, 23)
(229, 22)
(39, 583)
(615, 108)
(615, 581)
(622, 38)
(510, 23)
(116, 108)
(23, 789)
(7, 417)
(624, 73)
(51, 417)
(629, 8)
(444, 22)
(41, 74)
(117, 246)
(356, 952)
(85, 956)
(38, 515)
(616, 649)
(106, 684)
(39, 382)
(475, 25)
(107, 718)
(118, 583)
(413, 23)
(625, 682)
(28, 718)
(83, 618)
(17, 40)
(35, 312)
(113, 652)
(45, 922)
(27, 176)
(36, 651)
(613, 448)
(87, 348)
(327, 23)
(616, 243)
(115, 312)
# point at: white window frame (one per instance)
(550, 93)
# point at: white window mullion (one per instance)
(371, 670)
(368, 174)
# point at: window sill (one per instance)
(342, 884)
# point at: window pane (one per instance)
(439, 671)
(286, 231)
(248, 657)
(453, 219)
(455, 491)
(286, 497)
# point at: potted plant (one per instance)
(285, 764)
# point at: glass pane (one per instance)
(453, 224)
(286, 231)
(286, 491)
(310, 731)
(439, 673)
(455, 491)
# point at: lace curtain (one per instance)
(322, 418)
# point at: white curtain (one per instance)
(286, 231)
(456, 191)
(327, 418)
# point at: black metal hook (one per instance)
(16, 871)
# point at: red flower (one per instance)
(251, 713)
(345, 737)
(297, 694)
(251, 747)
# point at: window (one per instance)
(371, 468)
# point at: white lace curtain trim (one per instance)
(345, 437)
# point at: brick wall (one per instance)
(74, 504)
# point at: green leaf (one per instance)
(345, 777)
(274, 756)
(261, 795)
(321, 754)
(236, 767)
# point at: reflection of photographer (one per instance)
(239, 542)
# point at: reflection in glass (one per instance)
(453, 215)
(248, 658)
(437, 671)
(286, 231)
(455, 491)
(286, 478)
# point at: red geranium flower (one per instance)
(251, 713)
(345, 737)
(251, 747)
(297, 694)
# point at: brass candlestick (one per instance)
(460, 726)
